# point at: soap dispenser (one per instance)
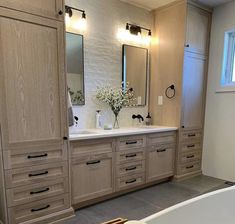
(98, 119)
(148, 119)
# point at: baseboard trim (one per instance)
(178, 178)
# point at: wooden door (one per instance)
(194, 80)
(198, 30)
(33, 109)
(160, 162)
(45, 8)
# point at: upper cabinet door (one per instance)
(193, 90)
(46, 8)
(198, 30)
(32, 80)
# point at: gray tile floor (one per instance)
(142, 203)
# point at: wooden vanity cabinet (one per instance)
(53, 9)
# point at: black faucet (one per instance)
(138, 117)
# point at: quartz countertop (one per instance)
(101, 133)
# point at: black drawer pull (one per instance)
(131, 155)
(131, 168)
(41, 191)
(131, 143)
(189, 167)
(39, 209)
(38, 174)
(131, 181)
(161, 150)
(191, 146)
(93, 162)
(38, 156)
(191, 135)
(190, 157)
(186, 45)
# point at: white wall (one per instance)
(103, 53)
(219, 138)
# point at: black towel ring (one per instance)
(167, 92)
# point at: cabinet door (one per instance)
(198, 29)
(194, 80)
(45, 8)
(33, 109)
(91, 178)
(160, 162)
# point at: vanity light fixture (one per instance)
(136, 30)
(81, 24)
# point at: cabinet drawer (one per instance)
(91, 178)
(160, 162)
(190, 146)
(130, 156)
(130, 142)
(28, 157)
(34, 192)
(189, 157)
(162, 138)
(191, 135)
(131, 168)
(79, 148)
(35, 174)
(23, 213)
(130, 181)
(190, 167)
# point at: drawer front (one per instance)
(79, 148)
(190, 167)
(190, 146)
(190, 157)
(23, 213)
(131, 142)
(35, 192)
(162, 138)
(91, 178)
(31, 157)
(191, 135)
(131, 168)
(130, 156)
(124, 183)
(35, 174)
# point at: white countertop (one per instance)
(100, 133)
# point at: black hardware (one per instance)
(65, 138)
(93, 162)
(131, 143)
(161, 150)
(61, 12)
(191, 146)
(131, 155)
(39, 209)
(191, 135)
(41, 191)
(38, 174)
(131, 181)
(135, 29)
(189, 167)
(68, 10)
(182, 126)
(172, 88)
(186, 45)
(131, 168)
(140, 117)
(190, 157)
(38, 156)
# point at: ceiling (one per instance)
(153, 4)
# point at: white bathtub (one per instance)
(217, 207)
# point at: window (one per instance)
(228, 74)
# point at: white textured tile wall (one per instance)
(103, 54)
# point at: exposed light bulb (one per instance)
(81, 24)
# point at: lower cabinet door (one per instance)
(92, 178)
(160, 162)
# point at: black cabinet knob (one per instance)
(61, 12)
(65, 138)
(186, 45)
(182, 126)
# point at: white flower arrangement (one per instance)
(115, 97)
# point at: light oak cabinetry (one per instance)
(104, 168)
(180, 57)
(33, 114)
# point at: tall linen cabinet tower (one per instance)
(180, 57)
(34, 174)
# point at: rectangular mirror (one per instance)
(135, 68)
(75, 68)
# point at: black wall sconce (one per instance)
(136, 30)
